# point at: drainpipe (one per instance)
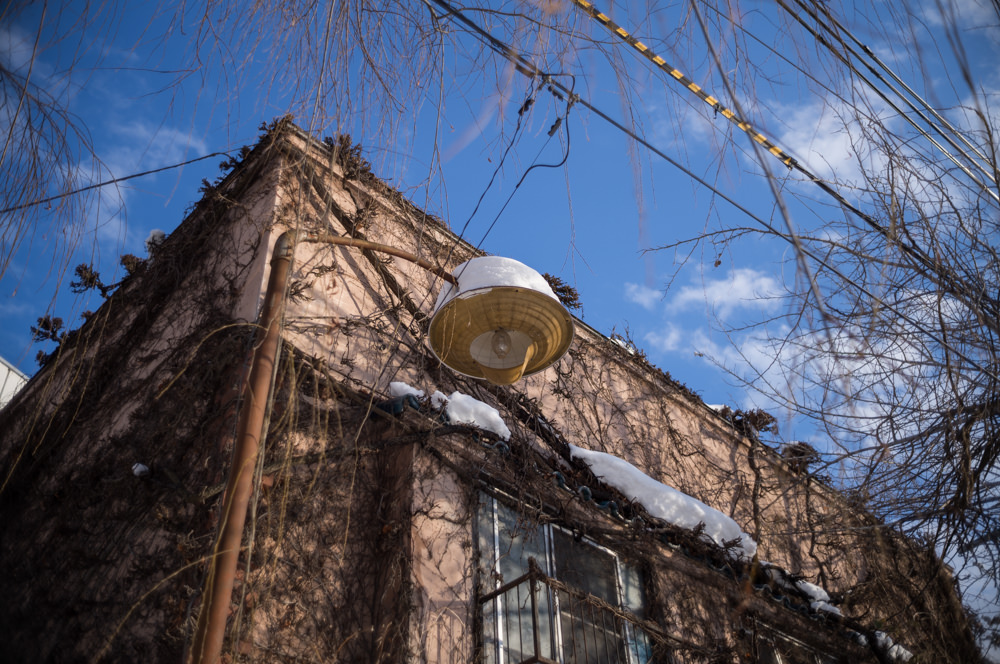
(217, 595)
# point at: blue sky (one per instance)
(126, 73)
(587, 221)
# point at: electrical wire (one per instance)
(935, 271)
(525, 105)
(841, 29)
(552, 130)
(677, 75)
(846, 61)
(98, 185)
(529, 69)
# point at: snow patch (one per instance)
(819, 605)
(459, 408)
(463, 409)
(820, 598)
(813, 591)
(438, 399)
(664, 502)
(401, 389)
(624, 344)
(490, 272)
(895, 651)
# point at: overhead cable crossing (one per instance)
(841, 29)
(942, 277)
(677, 75)
(525, 67)
(847, 62)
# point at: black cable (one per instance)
(552, 130)
(528, 102)
(940, 118)
(115, 181)
(933, 268)
(529, 69)
(846, 61)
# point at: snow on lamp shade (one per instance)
(501, 322)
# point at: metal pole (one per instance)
(329, 238)
(210, 633)
(217, 595)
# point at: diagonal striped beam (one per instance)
(677, 75)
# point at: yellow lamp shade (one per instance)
(499, 332)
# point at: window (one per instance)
(773, 647)
(572, 611)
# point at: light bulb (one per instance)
(500, 343)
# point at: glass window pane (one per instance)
(573, 630)
(518, 542)
(633, 593)
(584, 566)
(509, 624)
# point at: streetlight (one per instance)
(496, 319)
(500, 321)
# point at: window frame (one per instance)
(631, 639)
(786, 649)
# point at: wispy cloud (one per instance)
(644, 296)
(16, 47)
(668, 339)
(742, 288)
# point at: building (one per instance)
(404, 512)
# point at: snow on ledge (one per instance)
(814, 592)
(825, 607)
(665, 502)
(460, 408)
(896, 652)
(401, 389)
(463, 409)
(491, 272)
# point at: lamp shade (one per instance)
(501, 322)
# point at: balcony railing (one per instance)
(535, 618)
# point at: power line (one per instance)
(840, 28)
(685, 81)
(562, 92)
(933, 268)
(527, 68)
(66, 194)
(840, 56)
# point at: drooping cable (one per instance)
(98, 185)
(527, 68)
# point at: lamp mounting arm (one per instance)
(330, 238)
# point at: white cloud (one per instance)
(821, 135)
(16, 49)
(742, 288)
(666, 340)
(141, 145)
(967, 13)
(644, 296)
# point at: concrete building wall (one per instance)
(362, 544)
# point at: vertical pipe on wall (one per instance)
(206, 647)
